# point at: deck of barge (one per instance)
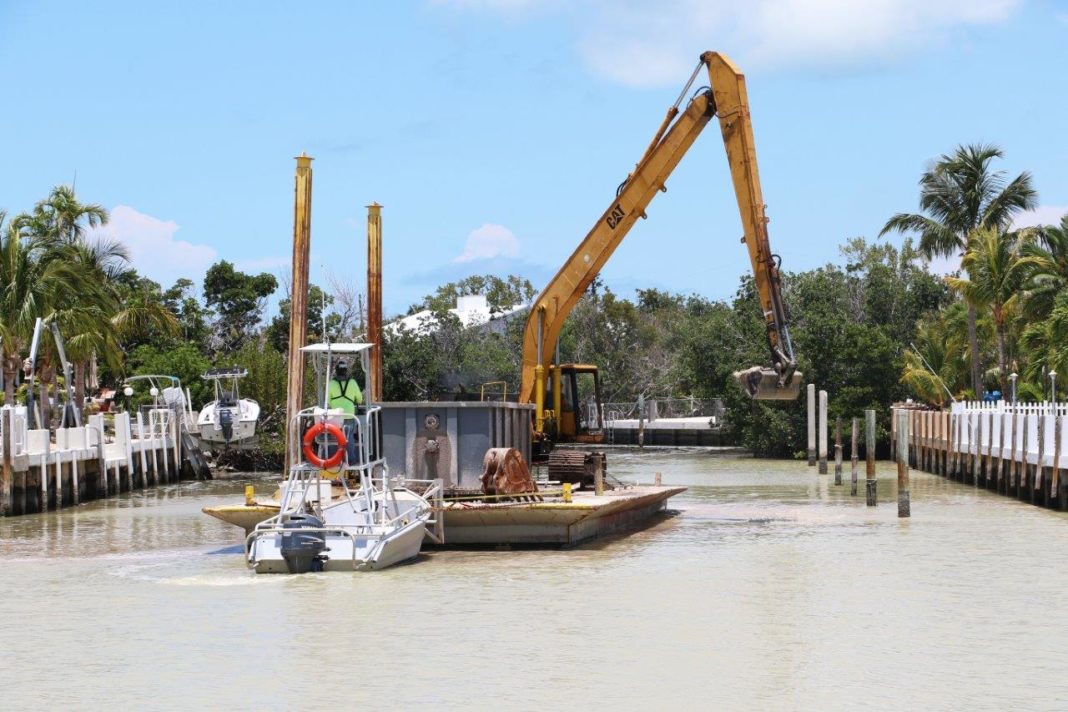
(551, 522)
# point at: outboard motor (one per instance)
(302, 549)
(226, 421)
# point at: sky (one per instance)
(495, 132)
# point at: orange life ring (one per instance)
(309, 442)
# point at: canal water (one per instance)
(766, 588)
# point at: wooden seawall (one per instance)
(1016, 450)
(45, 469)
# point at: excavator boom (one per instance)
(727, 99)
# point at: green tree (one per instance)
(501, 294)
(63, 216)
(237, 299)
(958, 195)
(278, 329)
(996, 272)
(192, 316)
(183, 360)
(1048, 272)
(35, 281)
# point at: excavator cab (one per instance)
(574, 392)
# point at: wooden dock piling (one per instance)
(598, 474)
(7, 475)
(904, 505)
(869, 453)
(1000, 467)
(822, 433)
(1040, 463)
(1055, 470)
(853, 458)
(838, 451)
(811, 392)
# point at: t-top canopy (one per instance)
(340, 349)
(219, 373)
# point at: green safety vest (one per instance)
(345, 396)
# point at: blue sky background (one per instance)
(496, 131)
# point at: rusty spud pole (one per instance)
(374, 299)
(298, 305)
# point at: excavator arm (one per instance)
(726, 99)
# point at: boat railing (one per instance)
(434, 494)
(361, 427)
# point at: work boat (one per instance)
(340, 510)
(229, 420)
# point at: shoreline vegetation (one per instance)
(865, 326)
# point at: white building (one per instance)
(471, 310)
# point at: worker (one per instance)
(345, 395)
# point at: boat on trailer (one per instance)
(229, 420)
(340, 510)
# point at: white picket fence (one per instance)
(141, 450)
(986, 429)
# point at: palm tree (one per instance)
(959, 195)
(33, 280)
(1046, 343)
(66, 218)
(996, 270)
(85, 317)
(1049, 270)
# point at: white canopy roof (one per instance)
(341, 348)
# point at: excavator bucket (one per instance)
(763, 384)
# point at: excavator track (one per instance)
(574, 466)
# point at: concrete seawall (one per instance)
(50, 469)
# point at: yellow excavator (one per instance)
(565, 420)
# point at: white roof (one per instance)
(341, 348)
(471, 310)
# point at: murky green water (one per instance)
(769, 589)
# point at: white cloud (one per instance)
(488, 242)
(1042, 215)
(153, 250)
(653, 43)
